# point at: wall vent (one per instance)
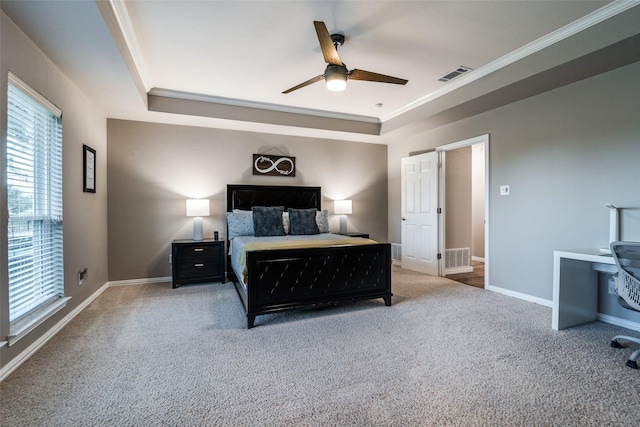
(457, 260)
(396, 253)
(455, 73)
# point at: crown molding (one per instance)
(121, 15)
(567, 31)
(211, 99)
(125, 25)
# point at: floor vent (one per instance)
(457, 261)
(453, 74)
(396, 253)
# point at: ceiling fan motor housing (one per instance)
(336, 71)
(337, 39)
(336, 76)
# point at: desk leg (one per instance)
(575, 293)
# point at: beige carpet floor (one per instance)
(444, 354)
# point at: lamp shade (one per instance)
(342, 207)
(197, 207)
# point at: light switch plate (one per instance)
(505, 190)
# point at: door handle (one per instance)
(403, 218)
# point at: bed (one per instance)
(276, 279)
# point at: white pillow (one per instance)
(322, 219)
(285, 221)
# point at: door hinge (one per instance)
(439, 256)
(439, 210)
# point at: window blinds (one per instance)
(34, 193)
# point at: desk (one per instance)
(575, 285)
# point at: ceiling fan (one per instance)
(336, 73)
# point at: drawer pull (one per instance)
(198, 250)
(199, 265)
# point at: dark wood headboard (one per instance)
(245, 196)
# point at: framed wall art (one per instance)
(264, 164)
(89, 169)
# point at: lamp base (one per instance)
(343, 224)
(197, 228)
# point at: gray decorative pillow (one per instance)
(239, 224)
(267, 221)
(322, 219)
(303, 221)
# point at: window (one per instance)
(34, 202)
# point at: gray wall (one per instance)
(85, 214)
(153, 168)
(465, 198)
(458, 206)
(565, 153)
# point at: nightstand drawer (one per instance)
(197, 253)
(194, 270)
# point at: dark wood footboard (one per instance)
(283, 279)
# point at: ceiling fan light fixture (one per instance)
(336, 74)
(336, 84)
(336, 77)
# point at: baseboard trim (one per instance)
(131, 282)
(33, 348)
(519, 295)
(458, 270)
(618, 321)
(605, 318)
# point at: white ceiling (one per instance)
(238, 56)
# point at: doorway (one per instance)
(463, 196)
(428, 245)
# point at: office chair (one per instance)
(627, 257)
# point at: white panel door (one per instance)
(420, 213)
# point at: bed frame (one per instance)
(283, 279)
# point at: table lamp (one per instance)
(342, 208)
(197, 208)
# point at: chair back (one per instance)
(627, 257)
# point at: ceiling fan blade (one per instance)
(326, 44)
(307, 83)
(375, 77)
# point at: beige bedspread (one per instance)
(296, 244)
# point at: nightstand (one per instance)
(365, 235)
(197, 261)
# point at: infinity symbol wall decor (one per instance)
(264, 164)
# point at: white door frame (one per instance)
(441, 194)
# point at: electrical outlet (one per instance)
(505, 190)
